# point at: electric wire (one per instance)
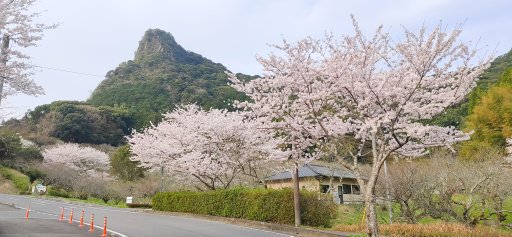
(68, 71)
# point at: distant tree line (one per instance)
(72, 121)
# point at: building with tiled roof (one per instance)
(341, 183)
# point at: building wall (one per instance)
(312, 184)
(347, 198)
(308, 183)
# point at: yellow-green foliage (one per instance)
(253, 204)
(21, 181)
(491, 119)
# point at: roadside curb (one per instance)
(280, 228)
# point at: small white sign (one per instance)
(40, 188)
(129, 200)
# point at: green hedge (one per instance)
(21, 181)
(56, 192)
(254, 204)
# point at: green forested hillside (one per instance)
(73, 121)
(487, 111)
(162, 75)
(456, 115)
(498, 66)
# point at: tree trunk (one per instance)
(296, 196)
(372, 228)
(3, 62)
(388, 195)
(369, 200)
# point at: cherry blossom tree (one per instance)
(85, 160)
(212, 147)
(18, 29)
(372, 93)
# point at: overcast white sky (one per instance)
(95, 36)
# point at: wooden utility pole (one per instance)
(296, 195)
(3, 63)
(162, 179)
(386, 179)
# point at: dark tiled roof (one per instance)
(311, 170)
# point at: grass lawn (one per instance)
(352, 214)
(7, 186)
(20, 181)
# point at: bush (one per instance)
(56, 192)
(254, 204)
(34, 174)
(21, 181)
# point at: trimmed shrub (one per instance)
(56, 192)
(34, 174)
(21, 181)
(266, 205)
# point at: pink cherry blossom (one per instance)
(211, 147)
(17, 23)
(376, 91)
(85, 160)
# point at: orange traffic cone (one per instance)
(82, 219)
(61, 216)
(27, 212)
(71, 216)
(104, 228)
(91, 229)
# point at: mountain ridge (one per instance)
(162, 75)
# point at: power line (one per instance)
(68, 71)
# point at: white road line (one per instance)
(45, 201)
(89, 224)
(37, 218)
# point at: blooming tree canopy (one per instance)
(86, 160)
(212, 146)
(18, 29)
(377, 91)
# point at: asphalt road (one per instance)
(126, 222)
(13, 223)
